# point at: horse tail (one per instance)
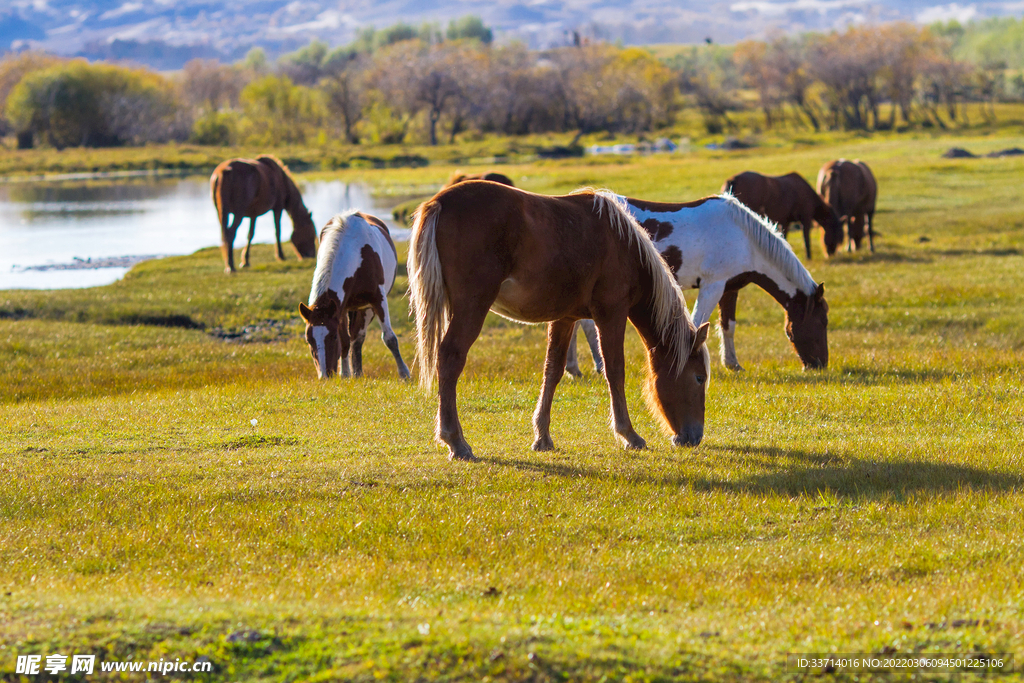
(427, 296)
(216, 183)
(671, 318)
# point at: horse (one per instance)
(787, 199)
(718, 246)
(247, 188)
(459, 176)
(355, 271)
(480, 246)
(850, 187)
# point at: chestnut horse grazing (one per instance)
(480, 246)
(247, 188)
(719, 246)
(850, 187)
(354, 272)
(786, 199)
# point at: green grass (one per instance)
(872, 507)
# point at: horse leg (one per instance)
(345, 341)
(612, 335)
(572, 364)
(559, 334)
(856, 235)
(463, 329)
(277, 233)
(359, 321)
(727, 328)
(248, 244)
(227, 245)
(871, 231)
(807, 224)
(590, 331)
(389, 336)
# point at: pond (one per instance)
(88, 232)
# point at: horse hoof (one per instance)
(463, 453)
(636, 443)
(573, 372)
(735, 367)
(228, 270)
(544, 444)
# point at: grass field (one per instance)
(872, 507)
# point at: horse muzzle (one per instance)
(690, 436)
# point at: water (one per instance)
(84, 233)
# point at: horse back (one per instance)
(543, 255)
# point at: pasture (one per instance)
(871, 507)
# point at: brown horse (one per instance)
(787, 199)
(459, 177)
(247, 188)
(480, 246)
(850, 188)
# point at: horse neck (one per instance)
(658, 352)
(822, 211)
(775, 284)
(292, 197)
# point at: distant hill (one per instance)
(167, 33)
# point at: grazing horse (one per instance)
(786, 199)
(247, 188)
(480, 246)
(850, 188)
(354, 272)
(719, 246)
(459, 177)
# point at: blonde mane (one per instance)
(330, 241)
(671, 318)
(770, 243)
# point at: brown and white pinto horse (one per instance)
(718, 246)
(851, 189)
(480, 246)
(355, 270)
(787, 199)
(247, 188)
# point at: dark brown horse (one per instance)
(480, 246)
(850, 188)
(786, 199)
(247, 188)
(459, 177)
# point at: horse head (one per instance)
(807, 327)
(829, 182)
(832, 231)
(677, 397)
(304, 233)
(323, 330)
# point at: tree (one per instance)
(469, 28)
(344, 87)
(279, 112)
(77, 103)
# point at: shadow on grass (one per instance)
(860, 375)
(981, 252)
(797, 473)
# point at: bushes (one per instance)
(94, 105)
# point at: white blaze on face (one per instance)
(319, 336)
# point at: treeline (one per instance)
(428, 84)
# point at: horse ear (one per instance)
(819, 293)
(700, 337)
(304, 311)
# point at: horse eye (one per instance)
(701, 379)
